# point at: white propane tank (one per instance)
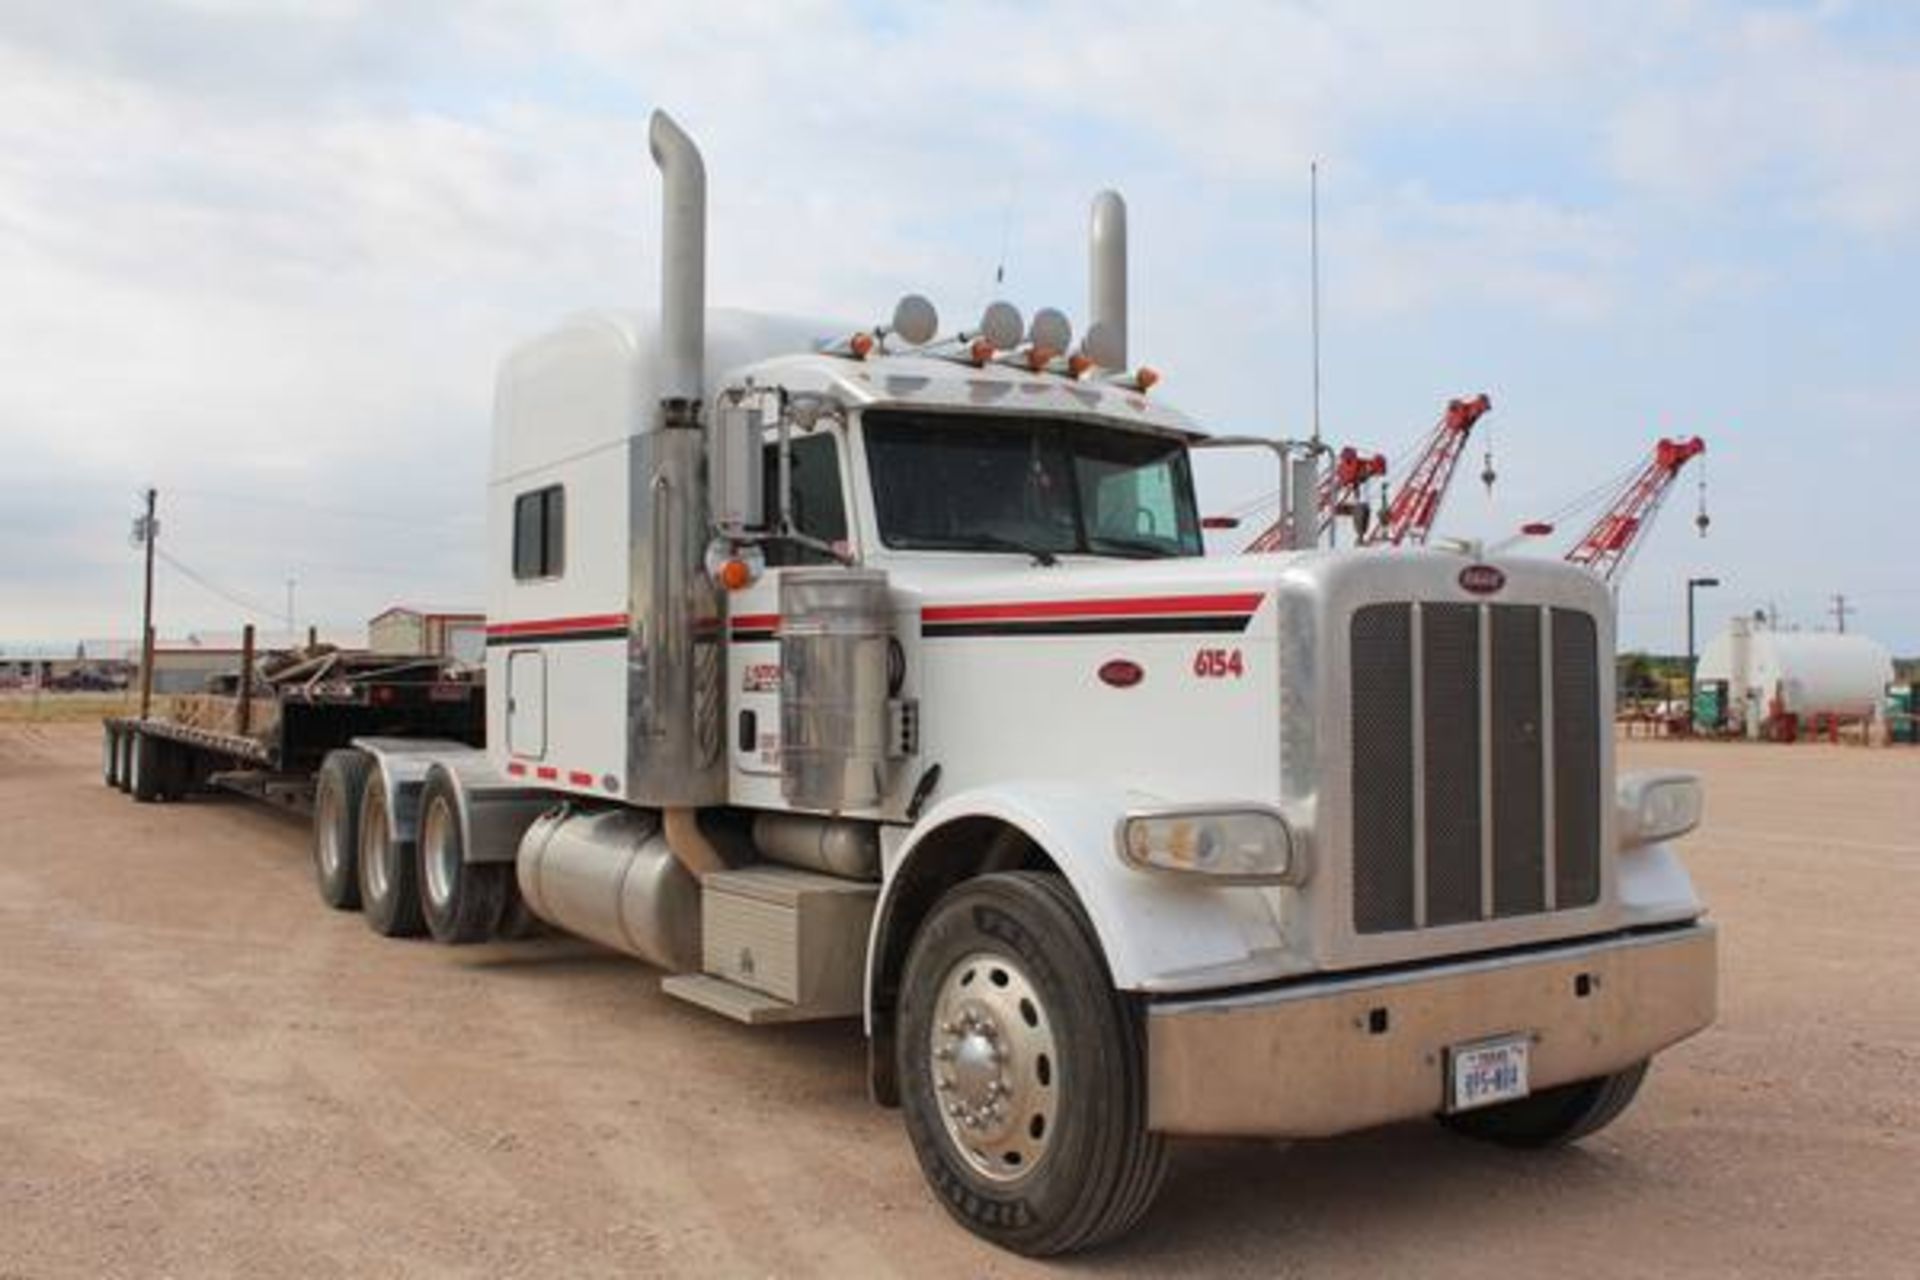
(1811, 673)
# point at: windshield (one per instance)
(1045, 486)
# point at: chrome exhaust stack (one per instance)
(683, 262)
(1107, 280)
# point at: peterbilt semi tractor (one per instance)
(886, 677)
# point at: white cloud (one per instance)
(1780, 111)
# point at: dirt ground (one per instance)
(203, 1072)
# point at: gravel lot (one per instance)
(203, 1072)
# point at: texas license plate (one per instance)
(1486, 1072)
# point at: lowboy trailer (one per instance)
(887, 678)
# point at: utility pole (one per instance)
(290, 628)
(145, 530)
(1840, 611)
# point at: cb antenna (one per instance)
(1313, 270)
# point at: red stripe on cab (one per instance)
(549, 626)
(1145, 607)
(546, 773)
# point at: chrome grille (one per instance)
(1476, 763)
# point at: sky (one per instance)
(265, 258)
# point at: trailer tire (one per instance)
(389, 889)
(123, 759)
(337, 793)
(175, 770)
(144, 768)
(1553, 1117)
(110, 755)
(462, 901)
(1047, 1074)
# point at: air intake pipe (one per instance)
(683, 262)
(1107, 277)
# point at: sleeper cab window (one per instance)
(540, 533)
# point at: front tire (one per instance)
(1022, 1070)
(389, 887)
(336, 826)
(462, 901)
(1553, 1117)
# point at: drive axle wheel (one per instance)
(389, 892)
(1553, 1117)
(336, 826)
(462, 901)
(1023, 1074)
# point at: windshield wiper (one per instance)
(1041, 555)
(984, 542)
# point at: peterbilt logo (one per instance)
(1482, 579)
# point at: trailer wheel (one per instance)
(175, 770)
(144, 768)
(123, 759)
(1553, 1117)
(336, 826)
(462, 901)
(1022, 1070)
(389, 889)
(110, 755)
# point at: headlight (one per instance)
(1232, 846)
(1656, 806)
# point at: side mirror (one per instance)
(736, 494)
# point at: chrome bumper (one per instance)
(1334, 1055)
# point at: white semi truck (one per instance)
(887, 678)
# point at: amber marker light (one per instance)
(1079, 366)
(861, 344)
(981, 351)
(735, 574)
(1146, 379)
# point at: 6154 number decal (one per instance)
(1219, 664)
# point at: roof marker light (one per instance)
(1146, 378)
(861, 345)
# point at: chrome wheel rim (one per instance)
(995, 1067)
(441, 852)
(373, 847)
(327, 821)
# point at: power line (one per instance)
(206, 583)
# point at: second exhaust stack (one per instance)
(1107, 274)
(683, 259)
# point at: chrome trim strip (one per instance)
(1418, 693)
(1549, 832)
(1486, 762)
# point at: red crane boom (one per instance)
(1608, 547)
(1340, 488)
(1411, 513)
(1410, 516)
